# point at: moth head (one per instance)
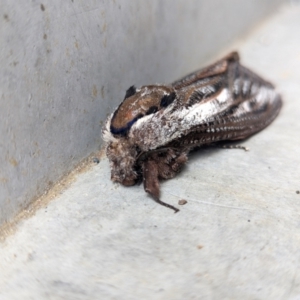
(121, 149)
(122, 159)
(138, 103)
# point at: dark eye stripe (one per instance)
(167, 99)
(152, 110)
(125, 129)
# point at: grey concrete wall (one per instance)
(64, 65)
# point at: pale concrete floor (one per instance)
(238, 237)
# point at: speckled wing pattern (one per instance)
(238, 102)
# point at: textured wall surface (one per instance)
(64, 65)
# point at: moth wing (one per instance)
(217, 68)
(247, 117)
(223, 102)
(231, 106)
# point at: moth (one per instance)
(151, 133)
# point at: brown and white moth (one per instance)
(152, 131)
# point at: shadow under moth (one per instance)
(152, 131)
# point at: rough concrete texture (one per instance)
(64, 65)
(238, 237)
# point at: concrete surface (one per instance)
(64, 65)
(238, 237)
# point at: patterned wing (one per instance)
(231, 105)
(224, 101)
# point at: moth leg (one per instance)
(171, 165)
(229, 146)
(151, 182)
(235, 147)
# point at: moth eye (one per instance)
(152, 110)
(130, 92)
(167, 99)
